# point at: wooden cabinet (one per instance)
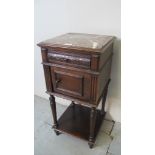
(77, 67)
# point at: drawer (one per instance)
(71, 83)
(70, 59)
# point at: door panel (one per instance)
(71, 83)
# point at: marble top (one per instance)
(78, 40)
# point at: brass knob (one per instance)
(65, 59)
(57, 81)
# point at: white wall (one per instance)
(55, 17)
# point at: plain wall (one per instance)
(56, 17)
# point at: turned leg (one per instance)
(104, 100)
(53, 108)
(92, 127)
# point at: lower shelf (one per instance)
(76, 121)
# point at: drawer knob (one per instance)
(57, 81)
(65, 59)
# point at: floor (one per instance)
(47, 143)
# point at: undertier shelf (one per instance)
(76, 121)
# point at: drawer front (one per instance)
(72, 83)
(71, 59)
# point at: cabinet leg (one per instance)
(92, 127)
(53, 108)
(104, 100)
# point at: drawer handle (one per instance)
(57, 81)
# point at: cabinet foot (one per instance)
(73, 104)
(91, 145)
(57, 132)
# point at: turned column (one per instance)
(92, 127)
(54, 113)
(53, 108)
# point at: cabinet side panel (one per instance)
(106, 55)
(103, 78)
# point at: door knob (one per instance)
(57, 81)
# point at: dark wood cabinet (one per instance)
(77, 67)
